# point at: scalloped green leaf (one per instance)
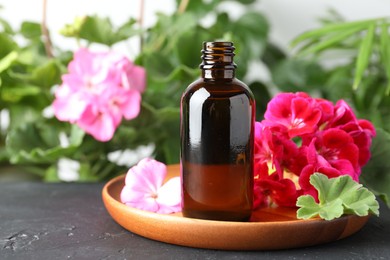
(337, 196)
(310, 208)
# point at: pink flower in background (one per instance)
(98, 91)
(302, 135)
(144, 188)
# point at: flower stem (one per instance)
(141, 22)
(45, 31)
(182, 6)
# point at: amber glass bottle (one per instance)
(217, 132)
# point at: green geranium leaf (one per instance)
(31, 30)
(337, 196)
(127, 30)
(7, 45)
(254, 36)
(96, 29)
(293, 75)
(39, 143)
(46, 75)
(310, 208)
(191, 40)
(101, 30)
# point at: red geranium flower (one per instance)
(302, 135)
(297, 112)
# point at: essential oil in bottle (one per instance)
(217, 133)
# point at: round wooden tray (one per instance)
(269, 229)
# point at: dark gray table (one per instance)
(69, 221)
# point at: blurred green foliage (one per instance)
(170, 54)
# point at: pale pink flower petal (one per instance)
(167, 194)
(144, 190)
(135, 78)
(68, 106)
(148, 174)
(100, 125)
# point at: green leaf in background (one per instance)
(199, 8)
(337, 196)
(188, 42)
(96, 29)
(31, 30)
(273, 55)
(46, 75)
(246, 2)
(293, 75)
(262, 97)
(254, 36)
(7, 45)
(6, 26)
(376, 173)
(72, 29)
(127, 30)
(178, 25)
(6, 61)
(14, 94)
(385, 52)
(101, 30)
(364, 55)
(40, 143)
(337, 83)
(330, 41)
(329, 29)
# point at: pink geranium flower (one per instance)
(99, 90)
(144, 188)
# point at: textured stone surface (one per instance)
(69, 221)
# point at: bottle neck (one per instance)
(217, 60)
(218, 74)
